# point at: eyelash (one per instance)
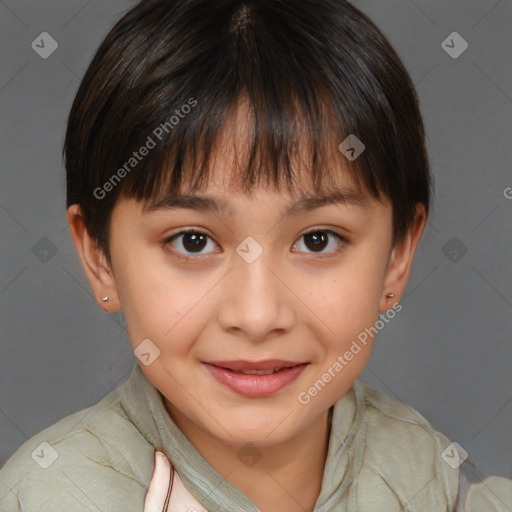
(342, 242)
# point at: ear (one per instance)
(95, 263)
(400, 262)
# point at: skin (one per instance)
(291, 303)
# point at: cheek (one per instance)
(155, 301)
(349, 306)
(351, 294)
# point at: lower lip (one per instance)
(255, 385)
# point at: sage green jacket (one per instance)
(383, 457)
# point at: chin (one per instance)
(258, 428)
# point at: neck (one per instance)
(288, 474)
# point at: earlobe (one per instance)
(94, 262)
(400, 262)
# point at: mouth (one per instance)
(255, 378)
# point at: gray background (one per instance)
(447, 353)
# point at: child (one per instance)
(248, 182)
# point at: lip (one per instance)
(226, 372)
(267, 364)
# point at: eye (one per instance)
(190, 242)
(193, 242)
(316, 241)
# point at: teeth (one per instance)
(260, 372)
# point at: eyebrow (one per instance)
(222, 206)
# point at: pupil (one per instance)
(318, 240)
(194, 241)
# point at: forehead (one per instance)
(226, 178)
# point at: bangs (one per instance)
(286, 83)
(286, 147)
(298, 108)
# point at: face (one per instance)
(222, 295)
(255, 313)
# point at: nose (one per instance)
(257, 303)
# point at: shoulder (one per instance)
(67, 465)
(493, 494)
(403, 455)
(394, 424)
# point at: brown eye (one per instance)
(194, 242)
(188, 243)
(317, 241)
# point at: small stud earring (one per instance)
(104, 299)
(390, 295)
